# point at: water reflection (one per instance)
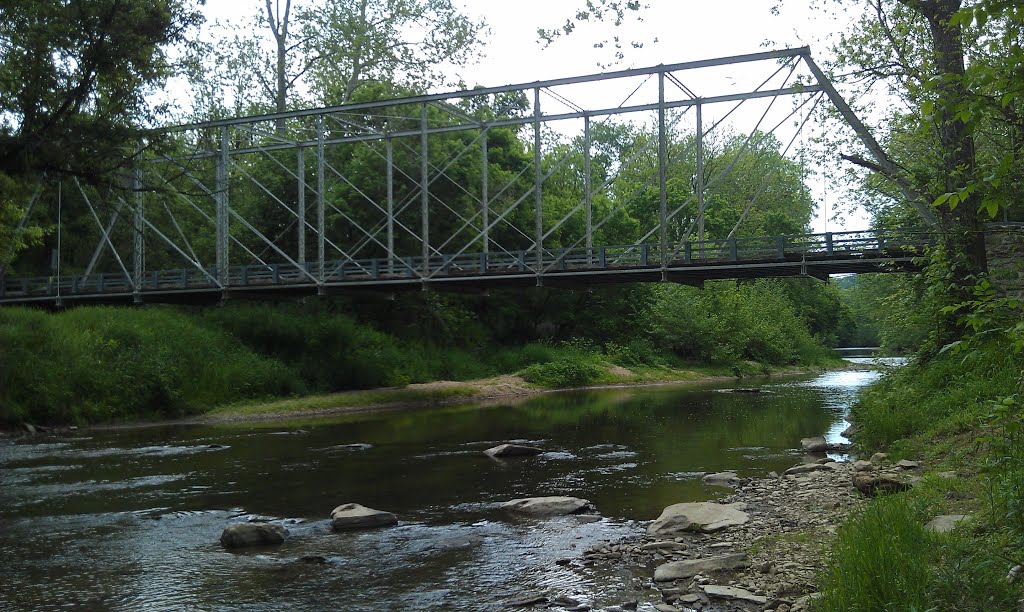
(128, 519)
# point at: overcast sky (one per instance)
(671, 31)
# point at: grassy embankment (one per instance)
(960, 417)
(102, 365)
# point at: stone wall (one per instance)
(1004, 244)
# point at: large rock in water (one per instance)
(548, 506)
(722, 479)
(513, 450)
(814, 445)
(677, 570)
(355, 516)
(242, 535)
(707, 517)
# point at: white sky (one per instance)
(684, 30)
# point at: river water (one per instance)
(129, 519)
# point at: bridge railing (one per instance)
(795, 247)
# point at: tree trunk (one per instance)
(963, 239)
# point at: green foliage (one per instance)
(565, 372)
(883, 559)
(915, 398)
(102, 364)
(731, 322)
(876, 562)
(75, 75)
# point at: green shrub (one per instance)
(99, 364)
(879, 560)
(563, 373)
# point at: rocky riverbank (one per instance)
(759, 548)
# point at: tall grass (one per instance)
(880, 561)
(101, 364)
(920, 397)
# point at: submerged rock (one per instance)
(513, 450)
(814, 445)
(242, 535)
(356, 516)
(548, 506)
(722, 479)
(677, 570)
(706, 517)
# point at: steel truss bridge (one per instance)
(437, 211)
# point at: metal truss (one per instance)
(277, 196)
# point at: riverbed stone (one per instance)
(807, 468)
(906, 464)
(678, 570)
(513, 450)
(733, 593)
(814, 445)
(243, 535)
(878, 458)
(877, 483)
(722, 479)
(356, 516)
(554, 505)
(863, 466)
(944, 523)
(707, 517)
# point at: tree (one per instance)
(954, 137)
(390, 41)
(74, 79)
(321, 52)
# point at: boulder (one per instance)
(678, 570)
(814, 445)
(906, 464)
(242, 535)
(807, 467)
(706, 517)
(944, 523)
(876, 483)
(733, 593)
(878, 458)
(722, 479)
(512, 450)
(356, 516)
(863, 466)
(555, 505)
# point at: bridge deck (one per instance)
(817, 255)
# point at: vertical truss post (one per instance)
(221, 195)
(390, 177)
(662, 172)
(138, 245)
(301, 205)
(587, 196)
(700, 175)
(538, 178)
(424, 190)
(321, 166)
(485, 196)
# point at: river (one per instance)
(128, 519)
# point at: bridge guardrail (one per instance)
(857, 244)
